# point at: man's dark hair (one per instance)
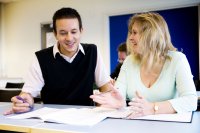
(122, 47)
(66, 13)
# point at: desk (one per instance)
(15, 125)
(106, 126)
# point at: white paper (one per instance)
(92, 116)
(82, 116)
(40, 113)
(178, 117)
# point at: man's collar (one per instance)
(56, 49)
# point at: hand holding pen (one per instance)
(22, 103)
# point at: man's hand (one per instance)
(22, 103)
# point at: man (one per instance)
(122, 53)
(64, 73)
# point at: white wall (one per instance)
(2, 64)
(22, 21)
(0, 24)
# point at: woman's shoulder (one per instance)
(130, 61)
(129, 57)
(176, 55)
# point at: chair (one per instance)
(14, 85)
(10, 85)
(7, 94)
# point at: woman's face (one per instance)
(134, 37)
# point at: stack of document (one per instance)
(74, 116)
(92, 116)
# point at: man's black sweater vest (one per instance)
(68, 83)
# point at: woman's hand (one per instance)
(140, 107)
(24, 104)
(109, 99)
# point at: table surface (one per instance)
(106, 126)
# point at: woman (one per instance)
(155, 78)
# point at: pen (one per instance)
(20, 98)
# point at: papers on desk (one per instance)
(73, 116)
(90, 117)
(179, 117)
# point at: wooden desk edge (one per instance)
(42, 130)
(15, 128)
(8, 127)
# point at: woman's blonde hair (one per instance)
(154, 41)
